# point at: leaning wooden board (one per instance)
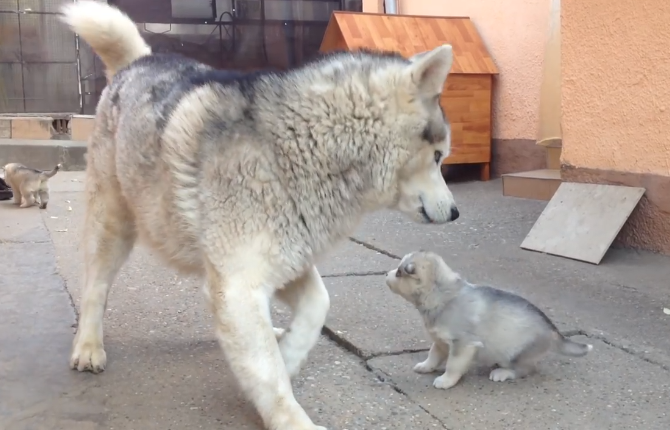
(582, 220)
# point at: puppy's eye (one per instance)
(438, 156)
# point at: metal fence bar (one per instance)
(23, 77)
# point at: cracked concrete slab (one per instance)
(351, 259)
(166, 371)
(35, 333)
(608, 389)
(370, 319)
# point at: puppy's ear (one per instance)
(410, 269)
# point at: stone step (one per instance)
(44, 154)
(535, 184)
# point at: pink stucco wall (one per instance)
(515, 32)
(616, 85)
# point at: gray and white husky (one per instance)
(246, 180)
(468, 322)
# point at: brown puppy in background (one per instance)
(29, 185)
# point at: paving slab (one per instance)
(371, 319)
(36, 326)
(165, 369)
(21, 225)
(608, 389)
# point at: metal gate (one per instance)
(44, 69)
(39, 61)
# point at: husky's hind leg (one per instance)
(241, 305)
(523, 364)
(16, 191)
(109, 237)
(27, 195)
(44, 198)
(309, 301)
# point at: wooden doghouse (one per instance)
(467, 97)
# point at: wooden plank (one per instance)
(467, 104)
(582, 220)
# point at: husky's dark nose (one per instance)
(454, 213)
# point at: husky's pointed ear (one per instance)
(429, 69)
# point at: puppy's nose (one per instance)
(454, 213)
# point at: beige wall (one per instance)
(515, 32)
(616, 84)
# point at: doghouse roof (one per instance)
(410, 35)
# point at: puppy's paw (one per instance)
(424, 367)
(445, 382)
(502, 375)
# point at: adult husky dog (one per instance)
(246, 179)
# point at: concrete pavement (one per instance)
(165, 370)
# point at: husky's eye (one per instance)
(438, 156)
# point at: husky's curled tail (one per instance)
(565, 346)
(112, 35)
(44, 175)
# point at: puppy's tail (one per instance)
(567, 347)
(110, 32)
(51, 173)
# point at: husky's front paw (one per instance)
(445, 382)
(424, 367)
(501, 375)
(88, 356)
(295, 423)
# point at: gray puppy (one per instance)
(468, 322)
(30, 186)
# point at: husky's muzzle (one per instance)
(453, 214)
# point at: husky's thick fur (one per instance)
(246, 179)
(468, 322)
(30, 186)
